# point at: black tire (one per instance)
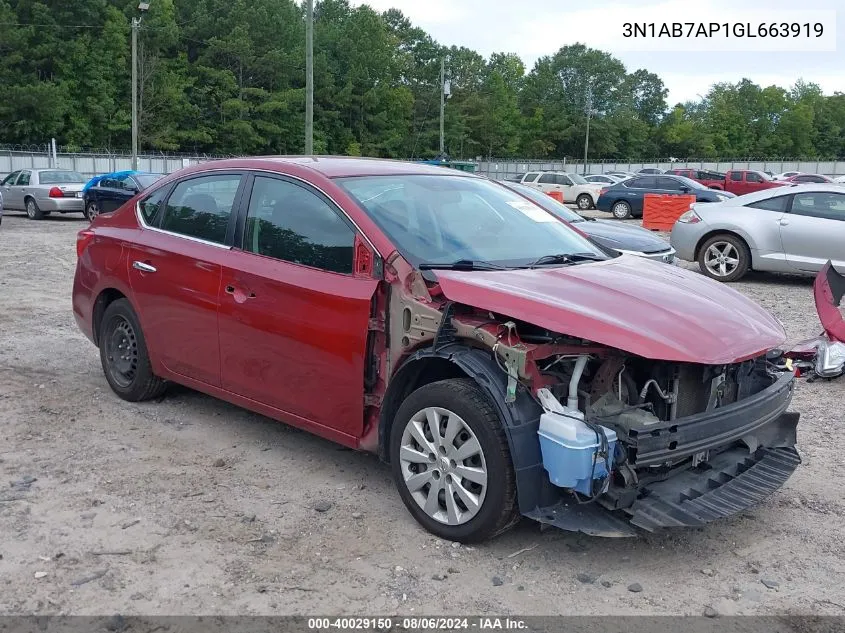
(743, 255)
(91, 210)
(465, 398)
(33, 212)
(138, 383)
(584, 202)
(620, 210)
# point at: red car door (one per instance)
(175, 269)
(293, 318)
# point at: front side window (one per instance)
(668, 184)
(438, 219)
(10, 179)
(753, 176)
(548, 179)
(201, 207)
(830, 206)
(289, 222)
(563, 180)
(23, 179)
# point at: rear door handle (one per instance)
(144, 267)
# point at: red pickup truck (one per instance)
(708, 178)
(742, 181)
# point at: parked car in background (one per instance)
(785, 175)
(436, 308)
(625, 199)
(514, 178)
(710, 179)
(839, 179)
(804, 179)
(742, 181)
(41, 192)
(620, 174)
(573, 187)
(106, 193)
(649, 170)
(618, 236)
(789, 229)
(603, 179)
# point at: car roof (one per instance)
(343, 166)
(773, 192)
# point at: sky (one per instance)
(688, 67)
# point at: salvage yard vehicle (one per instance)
(619, 236)
(107, 192)
(742, 181)
(788, 230)
(626, 199)
(502, 363)
(41, 192)
(573, 187)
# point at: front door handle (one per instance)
(783, 222)
(239, 295)
(144, 267)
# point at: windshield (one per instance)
(57, 177)
(145, 180)
(548, 203)
(577, 179)
(445, 219)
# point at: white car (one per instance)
(786, 175)
(839, 179)
(575, 188)
(602, 179)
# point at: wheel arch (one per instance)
(104, 299)
(520, 419)
(710, 234)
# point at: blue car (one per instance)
(625, 199)
(107, 192)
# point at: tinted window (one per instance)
(646, 182)
(8, 180)
(668, 184)
(23, 179)
(809, 178)
(562, 180)
(151, 204)
(736, 176)
(291, 223)
(820, 205)
(530, 177)
(779, 203)
(201, 207)
(108, 183)
(752, 176)
(549, 179)
(59, 177)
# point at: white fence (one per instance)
(93, 163)
(499, 169)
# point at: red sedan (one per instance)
(501, 363)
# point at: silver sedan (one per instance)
(40, 192)
(788, 229)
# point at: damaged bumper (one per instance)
(693, 470)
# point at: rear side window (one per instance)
(289, 222)
(780, 204)
(201, 207)
(736, 176)
(530, 177)
(151, 204)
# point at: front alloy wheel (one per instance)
(724, 258)
(621, 210)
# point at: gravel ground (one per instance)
(191, 505)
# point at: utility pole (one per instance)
(587, 137)
(442, 104)
(136, 22)
(309, 77)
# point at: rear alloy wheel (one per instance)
(451, 462)
(123, 354)
(621, 210)
(724, 258)
(584, 202)
(32, 210)
(91, 211)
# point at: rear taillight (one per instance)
(83, 238)
(55, 192)
(603, 191)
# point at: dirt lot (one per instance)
(191, 505)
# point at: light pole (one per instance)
(136, 23)
(309, 77)
(587, 137)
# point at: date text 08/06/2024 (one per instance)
(421, 623)
(722, 29)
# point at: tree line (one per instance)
(228, 77)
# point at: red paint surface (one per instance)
(740, 187)
(827, 305)
(642, 307)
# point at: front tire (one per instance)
(451, 462)
(724, 258)
(621, 210)
(124, 356)
(584, 202)
(33, 212)
(92, 210)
